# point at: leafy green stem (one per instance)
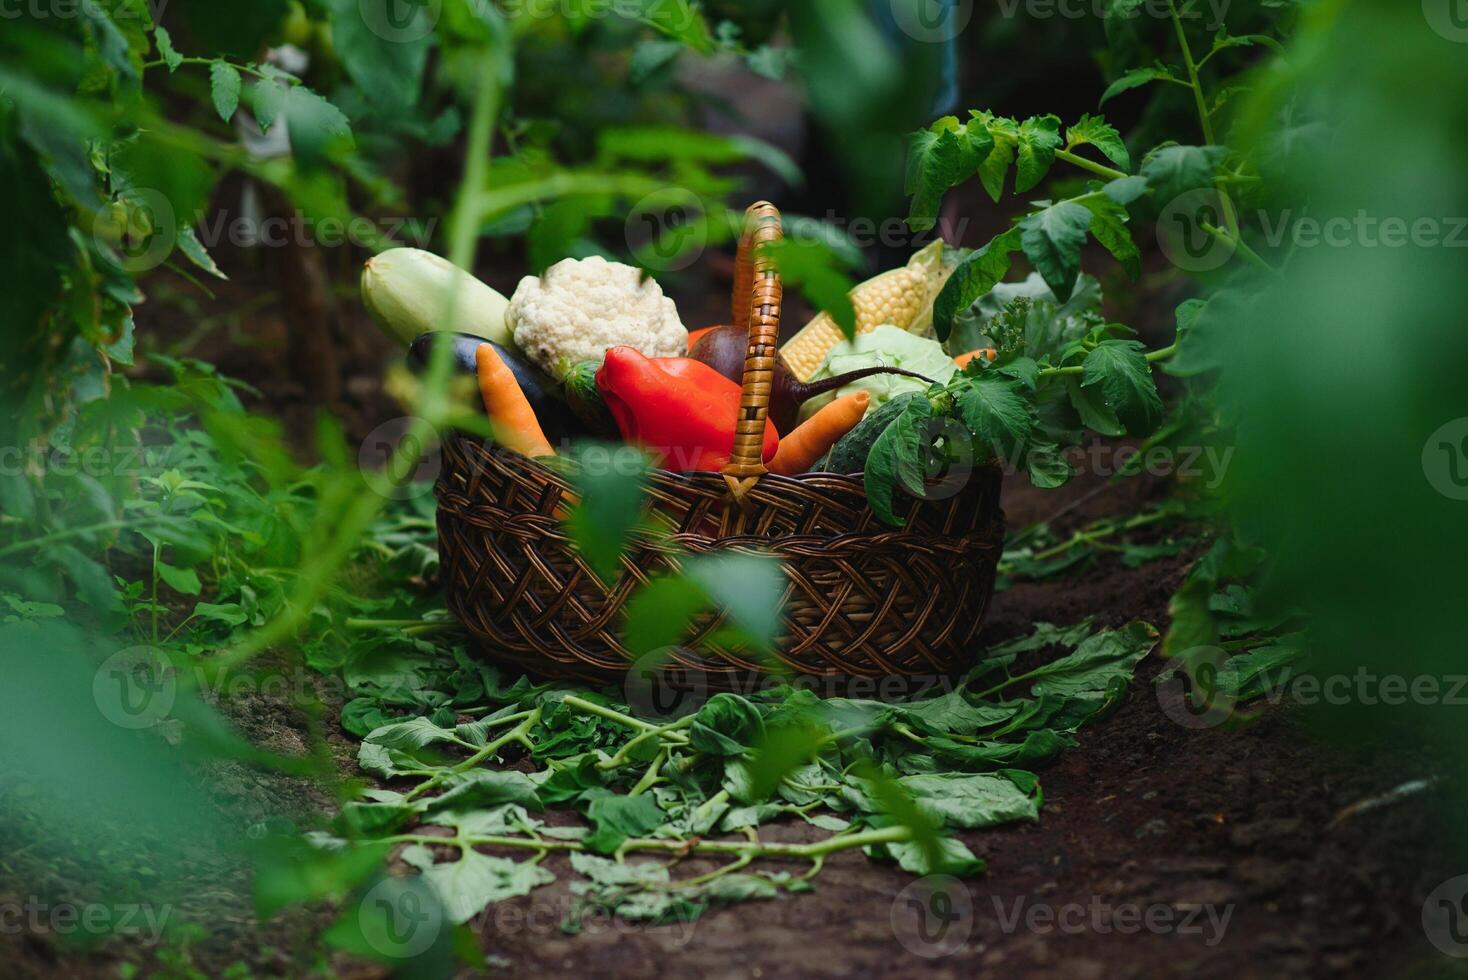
(754, 848)
(1099, 169)
(1230, 218)
(517, 734)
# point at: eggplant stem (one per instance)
(806, 390)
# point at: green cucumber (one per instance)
(849, 455)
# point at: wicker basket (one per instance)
(862, 599)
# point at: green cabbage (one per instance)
(886, 346)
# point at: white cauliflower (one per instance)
(581, 308)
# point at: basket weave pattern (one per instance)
(860, 598)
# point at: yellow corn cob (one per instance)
(901, 297)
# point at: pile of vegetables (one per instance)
(593, 349)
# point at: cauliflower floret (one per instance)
(581, 308)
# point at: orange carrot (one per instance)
(514, 421)
(987, 353)
(813, 438)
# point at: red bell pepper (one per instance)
(680, 410)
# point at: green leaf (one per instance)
(971, 801)
(817, 269)
(268, 98)
(1004, 134)
(224, 89)
(941, 157)
(1090, 405)
(318, 128)
(166, 50)
(1120, 369)
(481, 788)
(1097, 132)
(975, 275)
(998, 413)
(1108, 227)
(1039, 138)
(659, 612)
(1172, 171)
(609, 506)
(681, 21)
(467, 885)
(1126, 189)
(747, 589)
(952, 857)
(416, 733)
(388, 70)
(650, 57)
(618, 817)
(726, 725)
(896, 456)
(1052, 240)
(1136, 78)
(194, 250)
(184, 580)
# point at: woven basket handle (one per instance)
(757, 295)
